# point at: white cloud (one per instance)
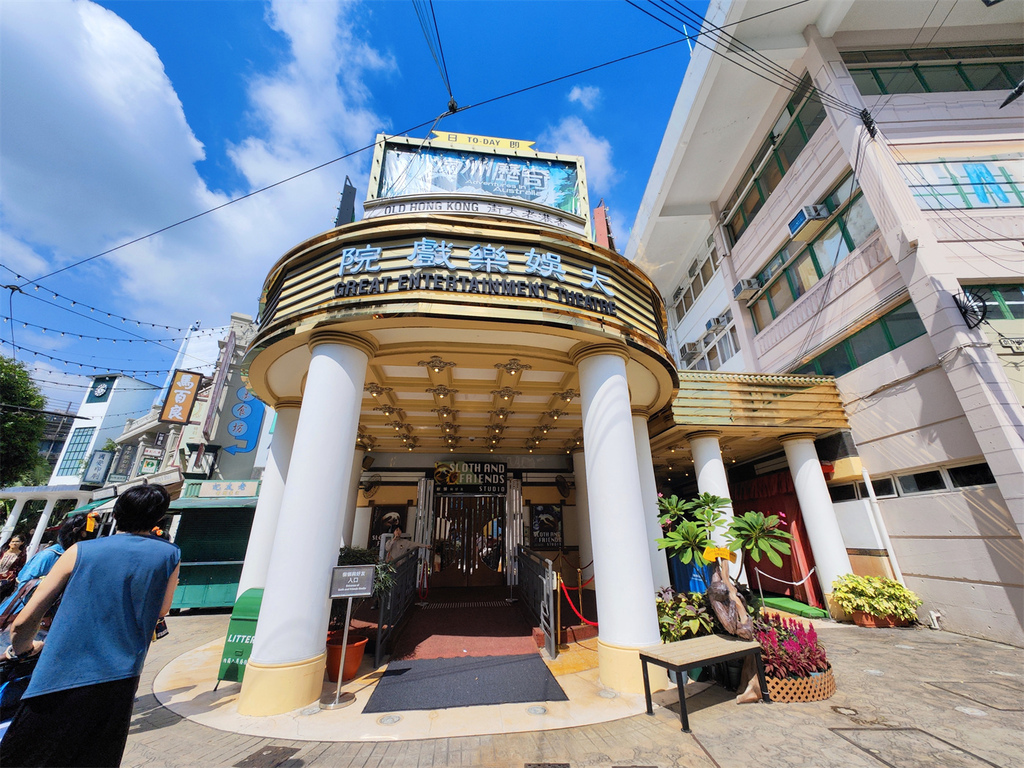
(96, 150)
(573, 137)
(586, 95)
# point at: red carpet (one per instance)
(465, 622)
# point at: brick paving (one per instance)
(906, 698)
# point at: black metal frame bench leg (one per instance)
(682, 675)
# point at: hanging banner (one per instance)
(181, 397)
(546, 526)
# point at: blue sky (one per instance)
(120, 118)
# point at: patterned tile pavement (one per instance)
(906, 698)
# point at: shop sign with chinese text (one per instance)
(181, 397)
(228, 488)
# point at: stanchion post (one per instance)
(341, 700)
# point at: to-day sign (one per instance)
(181, 397)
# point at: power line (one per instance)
(347, 155)
(130, 372)
(761, 71)
(84, 336)
(74, 302)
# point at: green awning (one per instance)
(88, 507)
(226, 502)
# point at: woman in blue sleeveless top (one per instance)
(78, 706)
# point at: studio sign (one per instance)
(486, 272)
(470, 477)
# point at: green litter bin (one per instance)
(241, 630)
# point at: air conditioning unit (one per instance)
(693, 269)
(746, 288)
(802, 226)
(691, 349)
(717, 323)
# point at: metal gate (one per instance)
(469, 541)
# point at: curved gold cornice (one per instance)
(287, 402)
(327, 336)
(581, 352)
(703, 433)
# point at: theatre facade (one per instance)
(468, 359)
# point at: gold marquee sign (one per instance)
(375, 267)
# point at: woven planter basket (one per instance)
(793, 689)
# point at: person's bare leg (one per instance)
(752, 692)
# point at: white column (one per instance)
(816, 509)
(41, 526)
(268, 507)
(709, 470)
(625, 600)
(649, 490)
(352, 499)
(12, 521)
(579, 470)
(285, 670)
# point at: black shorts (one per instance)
(85, 726)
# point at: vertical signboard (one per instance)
(546, 526)
(181, 397)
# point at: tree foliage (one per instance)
(20, 430)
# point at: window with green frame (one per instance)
(892, 330)
(799, 265)
(799, 120)
(1005, 302)
(74, 457)
(936, 70)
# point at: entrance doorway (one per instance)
(469, 541)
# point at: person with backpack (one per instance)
(78, 706)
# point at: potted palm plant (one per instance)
(689, 526)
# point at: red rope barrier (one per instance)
(581, 586)
(580, 615)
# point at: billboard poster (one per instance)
(546, 526)
(181, 397)
(428, 170)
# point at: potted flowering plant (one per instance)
(795, 665)
(682, 615)
(875, 601)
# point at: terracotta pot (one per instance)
(794, 689)
(353, 656)
(862, 619)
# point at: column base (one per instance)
(619, 669)
(273, 689)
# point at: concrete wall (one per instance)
(961, 553)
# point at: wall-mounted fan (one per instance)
(972, 306)
(371, 485)
(563, 486)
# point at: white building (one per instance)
(827, 210)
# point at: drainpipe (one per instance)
(883, 532)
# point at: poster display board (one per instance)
(546, 526)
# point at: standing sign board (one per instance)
(352, 581)
(347, 581)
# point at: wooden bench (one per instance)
(684, 655)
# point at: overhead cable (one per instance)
(416, 127)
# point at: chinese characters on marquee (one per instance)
(181, 396)
(427, 253)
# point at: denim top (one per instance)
(105, 621)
